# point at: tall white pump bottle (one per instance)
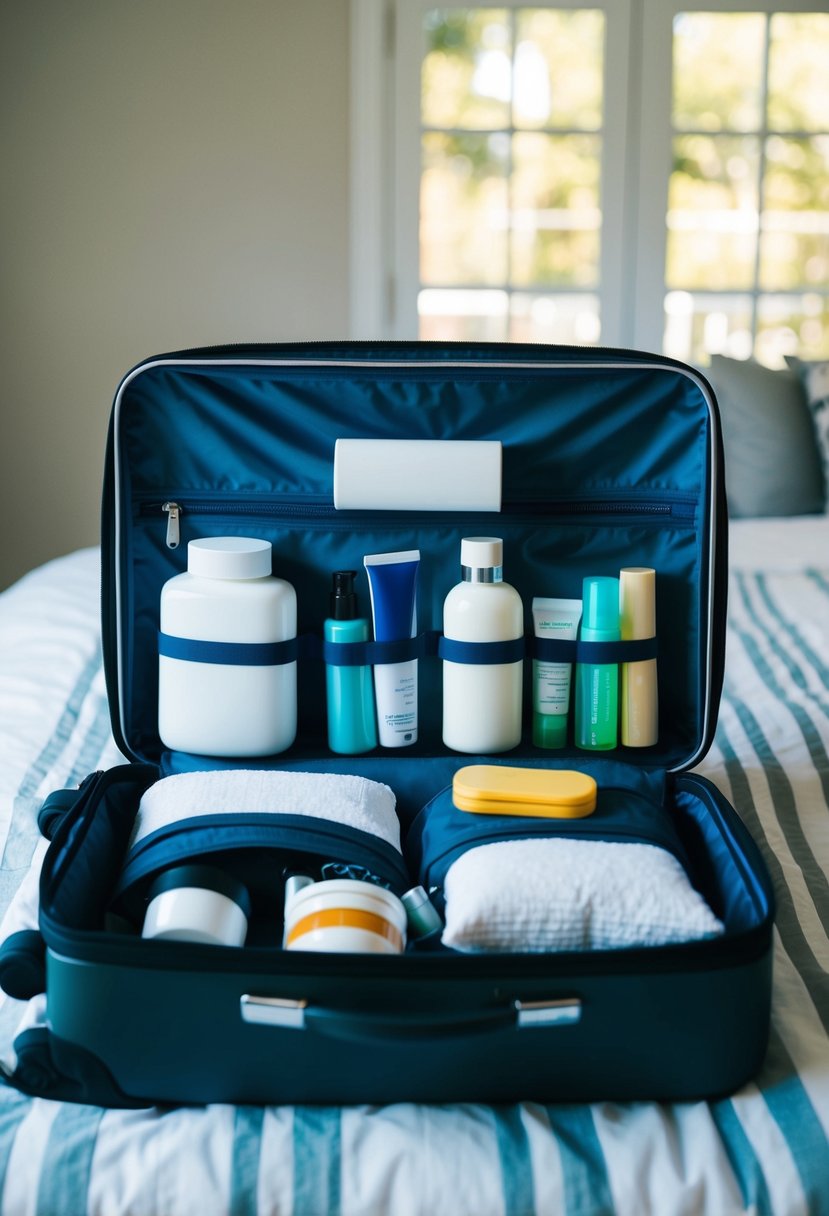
(482, 701)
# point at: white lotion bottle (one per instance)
(482, 701)
(241, 708)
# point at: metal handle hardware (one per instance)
(289, 1014)
(564, 1012)
(273, 1011)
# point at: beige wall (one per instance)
(174, 173)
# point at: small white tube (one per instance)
(553, 618)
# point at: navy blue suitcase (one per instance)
(610, 458)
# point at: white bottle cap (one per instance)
(482, 558)
(229, 557)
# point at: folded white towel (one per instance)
(560, 894)
(355, 801)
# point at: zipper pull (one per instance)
(173, 531)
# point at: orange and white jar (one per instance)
(343, 915)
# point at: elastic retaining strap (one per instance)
(238, 654)
(306, 646)
(361, 654)
(561, 650)
(481, 653)
(368, 654)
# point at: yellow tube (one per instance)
(640, 701)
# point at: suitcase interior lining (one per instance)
(602, 469)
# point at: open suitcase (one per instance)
(610, 459)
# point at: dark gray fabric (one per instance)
(772, 460)
(815, 380)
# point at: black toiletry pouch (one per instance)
(258, 848)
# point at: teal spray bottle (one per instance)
(349, 690)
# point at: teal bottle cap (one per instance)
(550, 730)
(600, 610)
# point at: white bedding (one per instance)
(763, 1150)
(786, 544)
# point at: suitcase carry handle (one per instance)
(362, 1026)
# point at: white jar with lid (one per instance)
(482, 701)
(214, 699)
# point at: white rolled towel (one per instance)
(560, 894)
(355, 801)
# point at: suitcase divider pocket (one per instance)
(441, 833)
(654, 526)
(88, 888)
(88, 845)
(257, 849)
(727, 863)
(570, 898)
(310, 511)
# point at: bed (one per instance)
(764, 1149)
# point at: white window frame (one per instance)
(656, 137)
(635, 167)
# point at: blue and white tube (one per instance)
(392, 581)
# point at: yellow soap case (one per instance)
(494, 789)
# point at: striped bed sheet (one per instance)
(764, 1150)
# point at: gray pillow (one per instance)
(772, 461)
(815, 378)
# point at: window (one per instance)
(510, 216)
(747, 256)
(637, 173)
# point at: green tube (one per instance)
(597, 684)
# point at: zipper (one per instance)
(79, 947)
(436, 867)
(173, 511)
(372, 356)
(472, 354)
(432, 868)
(72, 828)
(302, 834)
(679, 511)
(262, 510)
(736, 834)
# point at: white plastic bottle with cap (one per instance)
(482, 701)
(226, 708)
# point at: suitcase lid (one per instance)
(611, 459)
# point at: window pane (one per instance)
(712, 212)
(464, 209)
(554, 318)
(698, 326)
(799, 72)
(509, 193)
(463, 316)
(555, 210)
(789, 325)
(794, 242)
(466, 79)
(558, 68)
(718, 62)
